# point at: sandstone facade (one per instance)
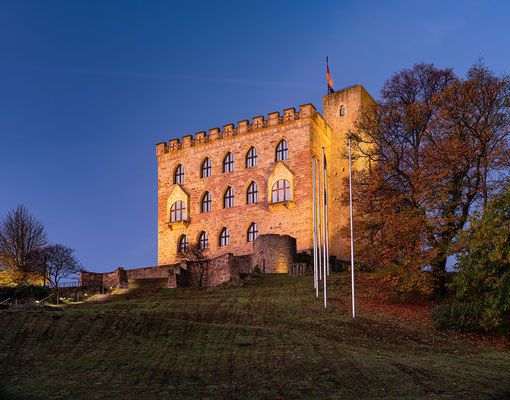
(305, 132)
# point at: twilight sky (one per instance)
(87, 88)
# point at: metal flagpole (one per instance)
(315, 272)
(327, 220)
(352, 237)
(324, 228)
(319, 241)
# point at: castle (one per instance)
(243, 196)
(223, 189)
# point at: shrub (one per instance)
(461, 317)
(484, 263)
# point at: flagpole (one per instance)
(352, 237)
(327, 212)
(324, 226)
(319, 225)
(315, 272)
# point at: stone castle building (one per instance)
(223, 189)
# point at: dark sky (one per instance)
(87, 88)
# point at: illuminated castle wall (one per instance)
(241, 196)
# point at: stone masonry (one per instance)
(305, 132)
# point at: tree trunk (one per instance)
(438, 266)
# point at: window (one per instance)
(253, 232)
(281, 191)
(224, 237)
(177, 212)
(203, 240)
(228, 198)
(251, 157)
(206, 168)
(228, 163)
(342, 111)
(179, 174)
(183, 244)
(282, 151)
(206, 202)
(252, 195)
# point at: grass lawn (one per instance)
(269, 339)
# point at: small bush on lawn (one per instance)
(461, 317)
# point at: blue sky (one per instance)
(87, 88)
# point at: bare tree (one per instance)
(21, 236)
(59, 263)
(199, 263)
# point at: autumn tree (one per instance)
(437, 146)
(21, 236)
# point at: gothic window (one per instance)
(206, 202)
(228, 163)
(251, 157)
(280, 191)
(282, 151)
(224, 237)
(228, 198)
(179, 174)
(342, 111)
(183, 244)
(203, 240)
(252, 194)
(253, 232)
(178, 212)
(206, 168)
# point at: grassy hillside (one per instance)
(268, 339)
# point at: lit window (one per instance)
(183, 244)
(252, 195)
(203, 240)
(206, 202)
(282, 151)
(342, 111)
(179, 174)
(228, 198)
(224, 237)
(228, 163)
(281, 191)
(177, 212)
(253, 232)
(251, 157)
(206, 168)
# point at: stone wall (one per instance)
(274, 253)
(306, 133)
(293, 218)
(90, 279)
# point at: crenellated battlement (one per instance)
(289, 115)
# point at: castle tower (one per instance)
(341, 110)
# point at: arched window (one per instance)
(228, 198)
(203, 240)
(205, 171)
(178, 212)
(179, 174)
(224, 237)
(253, 232)
(206, 202)
(282, 151)
(251, 157)
(342, 111)
(183, 244)
(281, 191)
(252, 194)
(228, 163)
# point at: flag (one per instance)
(330, 84)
